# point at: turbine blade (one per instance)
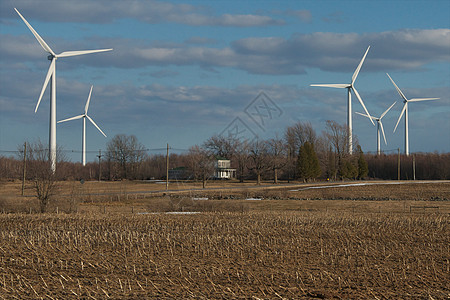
(382, 130)
(398, 90)
(92, 121)
(362, 103)
(75, 53)
(421, 99)
(36, 35)
(364, 115)
(359, 66)
(401, 114)
(50, 72)
(86, 107)
(72, 118)
(335, 85)
(385, 112)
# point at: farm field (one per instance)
(302, 241)
(264, 255)
(151, 196)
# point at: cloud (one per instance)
(304, 16)
(150, 11)
(391, 50)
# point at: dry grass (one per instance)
(266, 255)
(373, 241)
(126, 196)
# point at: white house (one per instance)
(223, 169)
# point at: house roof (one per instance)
(218, 157)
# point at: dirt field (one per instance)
(376, 241)
(151, 196)
(292, 255)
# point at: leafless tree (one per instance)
(241, 155)
(299, 133)
(221, 146)
(201, 163)
(40, 172)
(127, 152)
(259, 159)
(337, 136)
(277, 156)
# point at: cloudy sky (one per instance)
(182, 71)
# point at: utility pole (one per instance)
(398, 164)
(414, 167)
(167, 168)
(99, 164)
(289, 164)
(24, 166)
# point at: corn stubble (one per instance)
(225, 255)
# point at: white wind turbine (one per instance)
(84, 117)
(52, 73)
(379, 125)
(350, 87)
(405, 111)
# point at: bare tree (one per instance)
(337, 136)
(277, 156)
(299, 133)
(221, 146)
(40, 172)
(259, 159)
(201, 163)
(128, 152)
(241, 156)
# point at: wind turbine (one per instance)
(350, 87)
(379, 125)
(52, 74)
(405, 111)
(84, 117)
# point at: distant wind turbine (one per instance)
(405, 111)
(350, 86)
(379, 125)
(52, 73)
(84, 117)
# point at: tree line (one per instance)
(300, 154)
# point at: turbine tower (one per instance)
(405, 111)
(379, 125)
(350, 86)
(84, 117)
(52, 74)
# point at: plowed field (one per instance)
(375, 247)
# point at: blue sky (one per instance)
(182, 71)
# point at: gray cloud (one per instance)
(391, 50)
(150, 11)
(394, 50)
(304, 16)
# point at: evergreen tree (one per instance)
(331, 165)
(303, 163)
(314, 168)
(363, 168)
(308, 164)
(349, 170)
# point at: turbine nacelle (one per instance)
(85, 115)
(53, 56)
(378, 119)
(405, 112)
(51, 74)
(405, 101)
(350, 86)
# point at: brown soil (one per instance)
(263, 255)
(294, 242)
